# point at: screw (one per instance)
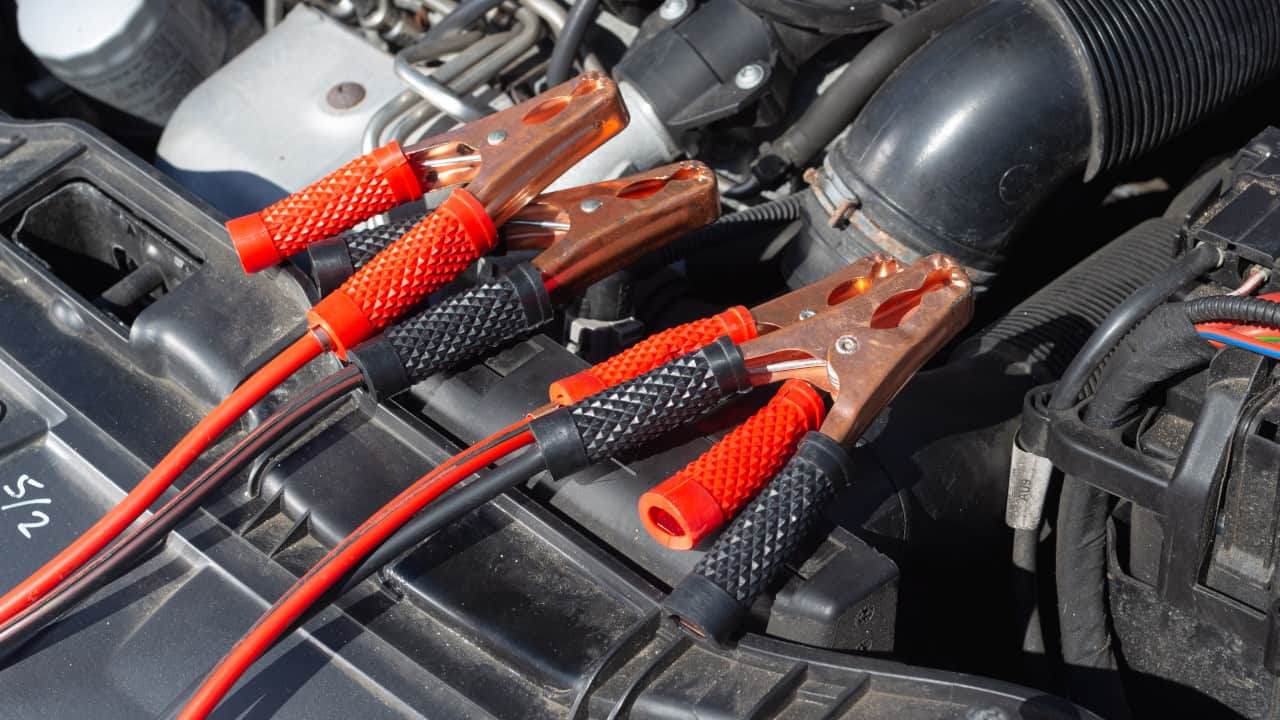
(806, 314)
(749, 77)
(846, 345)
(345, 95)
(590, 206)
(986, 713)
(496, 137)
(673, 9)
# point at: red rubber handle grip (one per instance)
(709, 491)
(353, 193)
(397, 279)
(652, 352)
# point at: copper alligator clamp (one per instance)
(861, 352)
(584, 233)
(507, 157)
(525, 149)
(858, 336)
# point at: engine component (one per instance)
(140, 56)
(957, 151)
(690, 68)
(1191, 545)
(861, 350)
(316, 84)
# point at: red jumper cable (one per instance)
(507, 158)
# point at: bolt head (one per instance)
(846, 345)
(806, 314)
(749, 77)
(673, 9)
(345, 95)
(590, 206)
(496, 137)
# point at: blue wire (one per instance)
(1274, 354)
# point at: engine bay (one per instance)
(624, 358)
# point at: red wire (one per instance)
(338, 562)
(161, 476)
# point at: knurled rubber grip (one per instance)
(362, 245)
(355, 192)
(753, 550)
(427, 258)
(652, 352)
(639, 410)
(466, 325)
(696, 501)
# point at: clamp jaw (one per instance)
(507, 158)
(590, 232)
(861, 350)
(876, 330)
(542, 137)
(587, 233)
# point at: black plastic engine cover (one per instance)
(512, 613)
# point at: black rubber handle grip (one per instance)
(632, 413)
(362, 245)
(459, 328)
(751, 553)
(466, 325)
(335, 259)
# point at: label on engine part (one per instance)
(22, 501)
(1028, 484)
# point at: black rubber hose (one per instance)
(576, 22)
(468, 12)
(841, 102)
(444, 511)
(1080, 555)
(1240, 310)
(1026, 549)
(1163, 345)
(1125, 317)
(723, 230)
(1020, 97)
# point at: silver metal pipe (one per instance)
(550, 12)
(450, 73)
(272, 13)
(436, 94)
(392, 109)
(432, 90)
(522, 38)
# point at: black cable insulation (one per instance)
(841, 102)
(576, 22)
(451, 506)
(460, 18)
(1240, 310)
(118, 559)
(727, 227)
(1125, 317)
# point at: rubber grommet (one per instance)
(253, 242)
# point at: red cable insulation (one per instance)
(337, 563)
(120, 517)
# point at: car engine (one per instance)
(640, 359)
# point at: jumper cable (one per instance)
(547, 134)
(597, 230)
(901, 320)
